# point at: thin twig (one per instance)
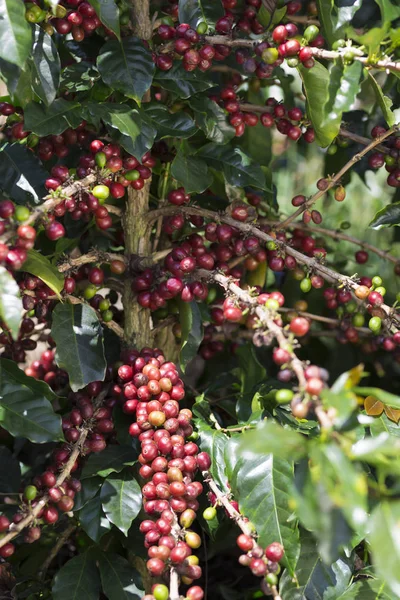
(94, 256)
(64, 536)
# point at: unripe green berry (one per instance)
(377, 281)
(311, 33)
(160, 592)
(107, 316)
(30, 492)
(202, 28)
(271, 579)
(89, 291)
(271, 245)
(305, 285)
(104, 305)
(338, 44)
(270, 55)
(375, 324)
(358, 320)
(272, 304)
(345, 225)
(21, 213)
(284, 396)
(351, 306)
(132, 175)
(381, 290)
(332, 149)
(209, 514)
(293, 62)
(100, 159)
(101, 192)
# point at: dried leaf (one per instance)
(373, 406)
(392, 413)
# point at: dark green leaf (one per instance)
(118, 116)
(119, 580)
(46, 66)
(79, 338)
(191, 172)
(127, 67)
(211, 118)
(370, 589)
(192, 331)
(200, 11)
(314, 580)
(385, 397)
(78, 579)
(384, 101)
(89, 489)
(384, 535)
(269, 437)
(10, 472)
(387, 216)
(238, 168)
(53, 119)
(39, 265)
(252, 373)
(79, 77)
(213, 441)
(181, 82)
(112, 460)
(142, 143)
(108, 13)
(343, 88)
(315, 83)
(168, 124)
(25, 408)
(262, 488)
(10, 302)
(15, 33)
(121, 499)
(93, 520)
(22, 175)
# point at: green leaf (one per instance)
(370, 589)
(334, 19)
(191, 172)
(93, 520)
(385, 397)
(389, 11)
(316, 82)
(314, 580)
(112, 460)
(10, 302)
(238, 168)
(252, 373)
(89, 489)
(25, 406)
(79, 77)
(119, 580)
(342, 91)
(387, 216)
(22, 175)
(262, 488)
(77, 579)
(181, 82)
(374, 449)
(127, 66)
(108, 13)
(384, 101)
(211, 118)
(53, 119)
(200, 11)
(345, 403)
(192, 331)
(41, 267)
(46, 66)
(15, 33)
(10, 472)
(269, 437)
(121, 499)
(78, 335)
(213, 441)
(169, 124)
(384, 425)
(384, 539)
(118, 116)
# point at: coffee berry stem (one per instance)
(94, 256)
(235, 516)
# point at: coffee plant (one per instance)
(199, 299)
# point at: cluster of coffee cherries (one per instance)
(151, 390)
(391, 160)
(16, 349)
(262, 563)
(88, 280)
(13, 253)
(75, 17)
(88, 413)
(45, 369)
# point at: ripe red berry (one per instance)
(299, 326)
(274, 552)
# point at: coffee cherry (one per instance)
(30, 492)
(7, 550)
(210, 513)
(4, 523)
(299, 326)
(274, 552)
(245, 542)
(375, 324)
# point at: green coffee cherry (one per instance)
(293, 62)
(132, 175)
(358, 320)
(377, 281)
(375, 324)
(270, 55)
(351, 306)
(332, 149)
(60, 11)
(271, 245)
(272, 304)
(90, 291)
(212, 294)
(284, 396)
(100, 159)
(305, 285)
(345, 225)
(202, 28)
(381, 290)
(271, 579)
(160, 592)
(107, 316)
(311, 33)
(104, 305)
(21, 213)
(209, 514)
(338, 44)
(124, 19)
(30, 492)
(101, 192)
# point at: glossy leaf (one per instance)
(118, 116)
(79, 338)
(387, 216)
(384, 424)
(238, 168)
(269, 437)
(211, 118)
(314, 580)
(384, 102)
(262, 487)
(374, 449)
(384, 538)
(89, 489)
(78, 578)
(22, 175)
(169, 124)
(192, 331)
(343, 88)
(10, 472)
(46, 66)
(10, 302)
(315, 84)
(200, 11)
(373, 407)
(213, 441)
(390, 11)
(181, 82)
(53, 119)
(41, 267)
(15, 33)
(118, 579)
(121, 499)
(252, 373)
(126, 66)
(108, 13)
(335, 17)
(93, 520)
(25, 406)
(369, 589)
(112, 460)
(191, 172)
